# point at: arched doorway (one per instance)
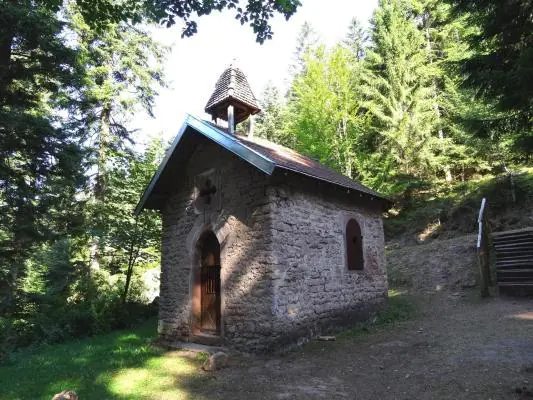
(208, 284)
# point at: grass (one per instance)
(454, 208)
(123, 365)
(120, 365)
(400, 307)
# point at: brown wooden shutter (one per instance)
(354, 246)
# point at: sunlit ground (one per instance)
(525, 315)
(123, 365)
(114, 366)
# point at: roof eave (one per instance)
(387, 202)
(209, 107)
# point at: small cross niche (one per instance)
(206, 192)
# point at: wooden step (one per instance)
(512, 232)
(511, 236)
(515, 257)
(505, 235)
(528, 270)
(504, 252)
(513, 261)
(514, 265)
(515, 279)
(515, 245)
(526, 239)
(515, 283)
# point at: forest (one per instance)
(434, 97)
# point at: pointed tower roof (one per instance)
(232, 88)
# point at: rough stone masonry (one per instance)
(284, 276)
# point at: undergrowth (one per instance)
(453, 208)
(116, 366)
(400, 307)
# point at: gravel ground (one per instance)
(456, 347)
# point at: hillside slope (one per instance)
(437, 266)
(431, 238)
(447, 212)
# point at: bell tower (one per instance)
(232, 100)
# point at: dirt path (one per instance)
(457, 347)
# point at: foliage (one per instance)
(112, 366)
(67, 93)
(63, 300)
(499, 68)
(271, 119)
(397, 85)
(389, 106)
(326, 118)
(454, 208)
(400, 308)
(100, 13)
(40, 158)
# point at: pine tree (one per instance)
(40, 156)
(306, 40)
(499, 68)
(357, 39)
(270, 122)
(131, 240)
(120, 69)
(398, 89)
(325, 111)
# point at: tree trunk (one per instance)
(103, 144)
(6, 42)
(446, 167)
(101, 179)
(133, 254)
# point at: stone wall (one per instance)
(239, 216)
(314, 292)
(284, 276)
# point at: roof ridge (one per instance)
(267, 157)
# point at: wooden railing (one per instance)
(483, 250)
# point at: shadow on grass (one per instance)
(120, 365)
(123, 365)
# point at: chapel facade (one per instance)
(262, 247)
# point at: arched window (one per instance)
(354, 246)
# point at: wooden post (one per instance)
(231, 120)
(483, 251)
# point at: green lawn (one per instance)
(119, 365)
(122, 365)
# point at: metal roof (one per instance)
(262, 154)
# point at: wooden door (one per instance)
(210, 308)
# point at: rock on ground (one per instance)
(66, 395)
(216, 361)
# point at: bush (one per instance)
(61, 300)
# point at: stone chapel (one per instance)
(262, 247)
